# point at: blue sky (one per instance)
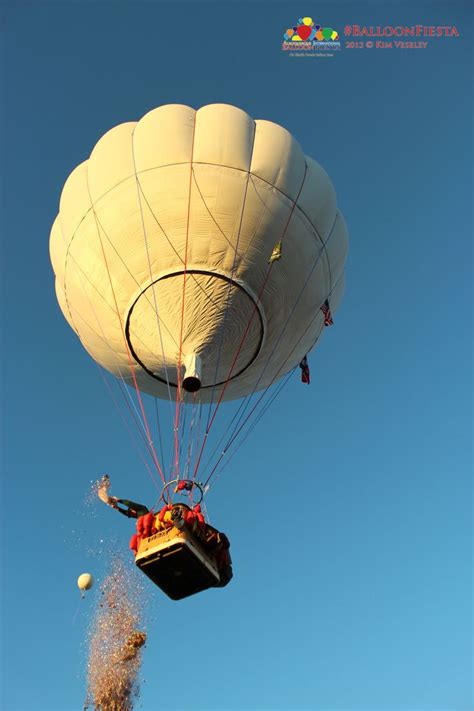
(349, 508)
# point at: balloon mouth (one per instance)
(191, 384)
(194, 378)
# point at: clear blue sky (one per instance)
(349, 509)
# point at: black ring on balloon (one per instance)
(206, 273)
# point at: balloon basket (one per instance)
(177, 563)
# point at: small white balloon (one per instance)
(85, 581)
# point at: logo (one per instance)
(308, 35)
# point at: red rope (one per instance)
(178, 389)
(246, 331)
(236, 433)
(130, 431)
(249, 431)
(142, 409)
(227, 381)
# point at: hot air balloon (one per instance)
(197, 254)
(84, 582)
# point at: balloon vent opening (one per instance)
(207, 332)
(191, 384)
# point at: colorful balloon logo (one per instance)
(307, 31)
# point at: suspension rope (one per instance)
(281, 336)
(208, 428)
(158, 320)
(242, 256)
(253, 425)
(145, 421)
(190, 437)
(223, 436)
(182, 430)
(198, 432)
(237, 429)
(269, 271)
(125, 392)
(112, 245)
(251, 429)
(179, 375)
(128, 399)
(190, 274)
(159, 430)
(209, 211)
(234, 263)
(102, 336)
(130, 431)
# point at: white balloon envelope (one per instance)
(162, 245)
